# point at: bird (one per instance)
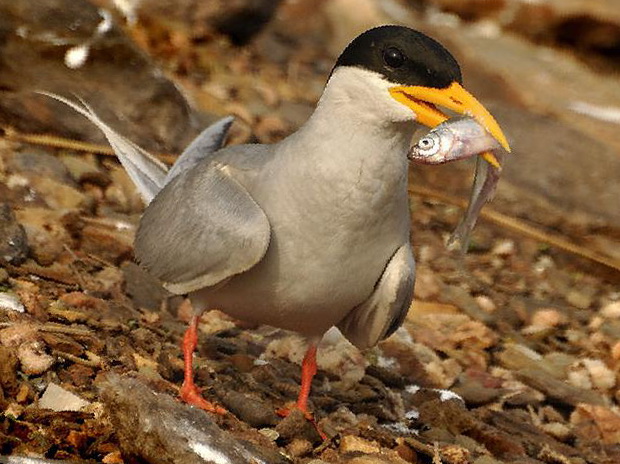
(313, 231)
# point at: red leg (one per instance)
(308, 371)
(189, 391)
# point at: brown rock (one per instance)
(353, 444)
(111, 245)
(36, 164)
(116, 77)
(8, 371)
(13, 240)
(145, 290)
(596, 423)
(33, 359)
(556, 389)
(299, 447)
(46, 234)
(159, 429)
(295, 425)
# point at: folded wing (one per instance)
(201, 229)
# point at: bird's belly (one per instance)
(319, 265)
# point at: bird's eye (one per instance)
(393, 57)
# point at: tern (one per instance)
(313, 231)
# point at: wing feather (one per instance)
(202, 228)
(385, 310)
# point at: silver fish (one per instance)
(486, 178)
(455, 139)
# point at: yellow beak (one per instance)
(422, 101)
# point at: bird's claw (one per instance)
(191, 395)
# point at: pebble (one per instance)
(548, 318)
(504, 248)
(46, 234)
(427, 284)
(11, 302)
(615, 351)
(352, 444)
(60, 196)
(38, 164)
(579, 299)
(611, 310)
(13, 241)
(589, 373)
(299, 447)
(33, 359)
(558, 430)
(4, 276)
(85, 169)
(58, 399)
(486, 303)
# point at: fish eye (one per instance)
(429, 145)
(393, 57)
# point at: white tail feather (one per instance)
(146, 171)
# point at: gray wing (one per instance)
(384, 311)
(146, 171)
(206, 143)
(202, 228)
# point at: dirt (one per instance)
(510, 354)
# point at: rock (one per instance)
(46, 233)
(116, 78)
(13, 239)
(478, 387)
(579, 298)
(33, 359)
(611, 310)
(85, 169)
(250, 408)
(296, 426)
(591, 373)
(58, 399)
(34, 163)
(449, 332)
(111, 245)
(59, 196)
(560, 431)
(122, 192)
(427, 284)
(299, 447)
(556, 389)
(353, 444)
(11, 302)
(4, 276)
(596, 424)
(8, 371)
(349, 18)
(145, 290)
(239, 20)
(158, 429)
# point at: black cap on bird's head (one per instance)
(421, 74)
(402, 55)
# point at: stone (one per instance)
(159, 429)
(33, 359)
(46, 233)
(353, 444)
(58, 399)
(38, 163)
(114, 76)
(13, 238)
